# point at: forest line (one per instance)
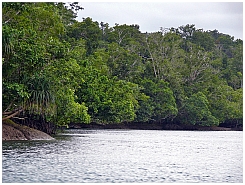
(60, 71)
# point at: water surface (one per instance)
(107, 156)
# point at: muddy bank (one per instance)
(13, 131)
(149, 126)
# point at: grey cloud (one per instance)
(226, 17)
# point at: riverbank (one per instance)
(13, 131)
(150, 126)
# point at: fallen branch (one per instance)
(12, 115)
(10, 112)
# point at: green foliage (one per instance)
(65, 77)
(109, 100)
(226, 103)
(38, 74)
(68, 110)
(123, 63)
(87, 30)
(41, 100)
(161, 104)
(123, 35)
(69, 71)
(196, 111)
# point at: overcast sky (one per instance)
(226, 17)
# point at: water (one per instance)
(107, 156)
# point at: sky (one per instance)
(226, 17)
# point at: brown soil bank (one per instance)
(13, 131)
(150, 126)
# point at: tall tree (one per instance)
(87, 30)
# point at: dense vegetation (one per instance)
(59, 70)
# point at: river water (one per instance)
(107, 156)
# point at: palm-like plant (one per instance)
(41, 100)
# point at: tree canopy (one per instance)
(65, 71)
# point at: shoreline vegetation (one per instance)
(14, 132)
(152, 126)
(57, 71)
(18, 132)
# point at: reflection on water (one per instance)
(126, 156)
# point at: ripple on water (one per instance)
(126, 156)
